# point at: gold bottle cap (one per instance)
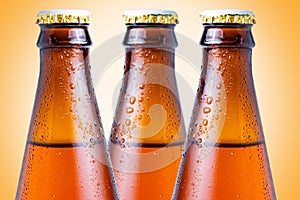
(227, 16)
(63, 16)
(150, 17)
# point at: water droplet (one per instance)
(200, 140)
(73, 67)
(218, 67)
(140, 99)
(132, 100)
(142, 86)
(72, 86)
(231, 153)
(209, 100)
(204, 122)
(219, 86)
(127, 122)
(139, 117)
(160, 196)
(129, 110)
(122, 140)
(91, 140)
(197, 161)
(66, 98)
(59, 153)
(206, 110)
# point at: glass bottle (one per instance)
(147, 133)
(65, 155)
(225, 156)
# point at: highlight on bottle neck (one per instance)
(63, 28)
(150, 29)
(227, 28)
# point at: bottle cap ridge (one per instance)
(227, 16)
(150, 16)
(64, 16)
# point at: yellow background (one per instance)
(276, 69)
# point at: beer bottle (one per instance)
(65, 154)
(147, 133)
(225, 156)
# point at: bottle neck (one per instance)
(150, 55)
(64, 35)
(150, 36)
(65, 92)
(227, 35)
(149, 96)
(226, 91)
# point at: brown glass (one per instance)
(65, 152)
(148, 132)
(225, 157)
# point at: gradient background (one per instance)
(276, 68)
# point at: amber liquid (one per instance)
(146, 172)
(226, 171)
(63, 171)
